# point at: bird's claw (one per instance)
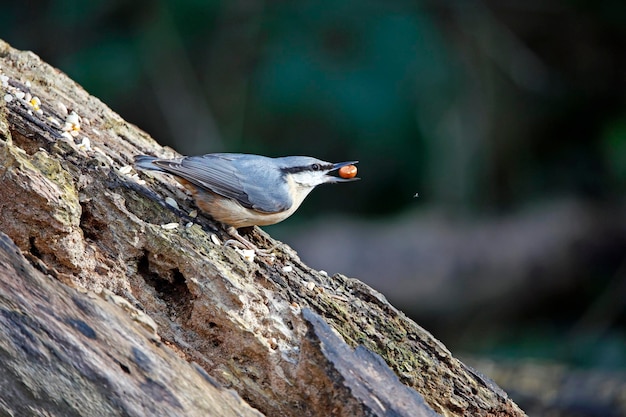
(243, 243)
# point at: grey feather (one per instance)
(245, 178)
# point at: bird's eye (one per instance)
(316, 167)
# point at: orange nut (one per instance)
(349, 171)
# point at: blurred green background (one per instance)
(484, 108)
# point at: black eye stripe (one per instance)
(312, 167)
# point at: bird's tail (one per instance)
(145, 162)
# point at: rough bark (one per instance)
(66, 353)
(261, 326)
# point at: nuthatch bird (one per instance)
(241, 190)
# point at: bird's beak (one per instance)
(333, 178)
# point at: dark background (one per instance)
(504, 116)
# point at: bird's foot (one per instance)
(243, 243)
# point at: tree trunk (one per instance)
(179, 317)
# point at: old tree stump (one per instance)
(104, 312)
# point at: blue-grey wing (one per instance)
(249, 179)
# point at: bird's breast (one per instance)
(230, 212)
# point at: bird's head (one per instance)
(309, 172)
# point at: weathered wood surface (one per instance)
(259, 327)
(67, 353)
